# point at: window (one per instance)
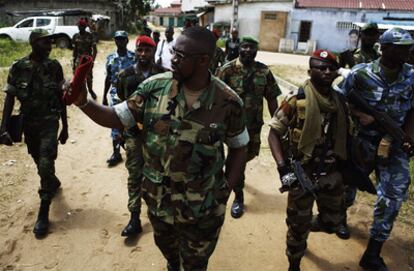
(346, 25)
(28, 23)
(42, 22)
(304, 31)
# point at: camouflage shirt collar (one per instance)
(205, 100)
(404, 73)
(27, 61)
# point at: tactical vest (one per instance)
(38, 89)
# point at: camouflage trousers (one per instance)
(89, 78)
(299, 212)
(253, 149)
(392, 190)
(189, 244)
(113, 99)
(134, 163)
(41, 141)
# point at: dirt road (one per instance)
(87, 216)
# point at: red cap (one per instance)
(82, 22)
(325, 56)
(145, 40)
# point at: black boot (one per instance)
(343, 231)
(318, 226)
(173, 266)
(116, 157)
(237, 208)
(41, 227)
(134, 226)
(371, 260)
(294, 264)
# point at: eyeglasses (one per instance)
(181, 56)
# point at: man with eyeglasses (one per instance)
(310, 127)
(116, 62)
(252, 81)
(186, 115)
(128, 80)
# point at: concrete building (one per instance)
(169, 16)
(328, 22)
(266, 20)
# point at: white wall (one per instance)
(250, 14)
(324, 29)
(188, 5)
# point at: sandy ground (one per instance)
(90, 211)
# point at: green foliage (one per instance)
(11, 51)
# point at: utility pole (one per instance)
(235, 18)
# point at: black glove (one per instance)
(287, 177)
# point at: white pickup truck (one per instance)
(21, 31)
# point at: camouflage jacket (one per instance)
(183, 148)
(83, 44)
(252, 85)
(288, 123)
(219, 57)
(38, 87)
(116, 63)
(365, 57)
(396, 99)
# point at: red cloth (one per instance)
(82, 22)
(145, 40)
(325, 56)
(78, 80)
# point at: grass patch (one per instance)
(11, 51)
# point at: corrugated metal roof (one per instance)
(407, 5)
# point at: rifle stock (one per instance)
(385, 122)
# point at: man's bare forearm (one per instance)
(102, 115)
(275, 147)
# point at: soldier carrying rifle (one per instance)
(313, 122)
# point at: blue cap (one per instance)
(121, 34)
(397, 36)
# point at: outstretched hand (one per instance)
(83, 94)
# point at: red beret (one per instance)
(82, 22)
(325, 56)
(145, 40)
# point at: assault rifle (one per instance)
(385, 122)
(303, 179)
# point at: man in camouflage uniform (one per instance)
(84, 44)
(387, 85)
(129, 79)
(312, 124)
(36, 81)
(187, 116)
(253, 81)
(116, 62)
(219, 55)
(365, 54)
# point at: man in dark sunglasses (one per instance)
(186, 115)
(310, 129)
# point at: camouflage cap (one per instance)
(397, 36)
(369, 26)
(249, 39)
(121, 34)
(39, 33)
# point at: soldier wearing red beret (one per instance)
(129, 79)
(314, 122)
